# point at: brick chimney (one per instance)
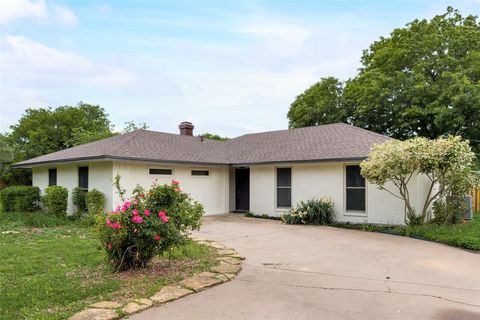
(186, 128)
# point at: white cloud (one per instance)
(11, 10)
(64, 16)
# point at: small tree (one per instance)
(446, 162)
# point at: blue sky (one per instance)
(230, 67)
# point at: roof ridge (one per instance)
(290, 129)
(365, 130)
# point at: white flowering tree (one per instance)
(446, 162)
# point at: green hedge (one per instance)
(94, 201)
(56, 199)
(20, 199)
(79, 199)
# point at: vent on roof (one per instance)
(186, 128)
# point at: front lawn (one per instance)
(51, 268)
(464, 235)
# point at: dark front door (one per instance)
(242, 189)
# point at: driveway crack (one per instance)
(389, 291)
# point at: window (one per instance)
(160, 171)
(284, 187)
(355, 189)
(83, 178)
(52, 177)
(200, 173)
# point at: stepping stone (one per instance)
(227, 268)
(227, 252)
(95, 314)
(107, 305)
(230, 260)
(222, 277)
(145, 301)
(216, 245)
(133, 307)
(170, 293)
(201, 281)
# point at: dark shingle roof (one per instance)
(320, 143)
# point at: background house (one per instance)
(264, 173)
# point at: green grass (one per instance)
(53, 267)
(464, 235)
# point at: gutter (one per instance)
(116, 158)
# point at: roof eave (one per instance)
(30, 165)
(233, 164)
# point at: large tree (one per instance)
(45, 130)
(319, 104)
(422, 80)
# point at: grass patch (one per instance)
(53, 267)
(463, 235)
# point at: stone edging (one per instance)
(230, 265)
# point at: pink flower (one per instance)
(109, 246)
(163, 216)
(157, 237)
(127, 204)
(178, 190)
(137, 219)
(123, 209)
(115, 225)
(135, 212)
(146, 212)
(109, 222)
(135, 201)
(175, 181)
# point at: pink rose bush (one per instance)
(148, 224)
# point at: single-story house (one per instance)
(263, 173)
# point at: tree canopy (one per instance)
(212, 136)
(319, 104)
(421, 80)
(45, 130)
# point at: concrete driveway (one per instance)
(310, 272)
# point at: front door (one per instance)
(242, 189)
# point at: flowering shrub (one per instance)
(315, 211)
(148, 224)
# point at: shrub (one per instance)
(56, 200)
(78, 199)
(20, 198)
(95, 200)
(449, 210)
(315, 211)
(148, 224)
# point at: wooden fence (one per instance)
(475, 193)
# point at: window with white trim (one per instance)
(355, 189)
(284, 187)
